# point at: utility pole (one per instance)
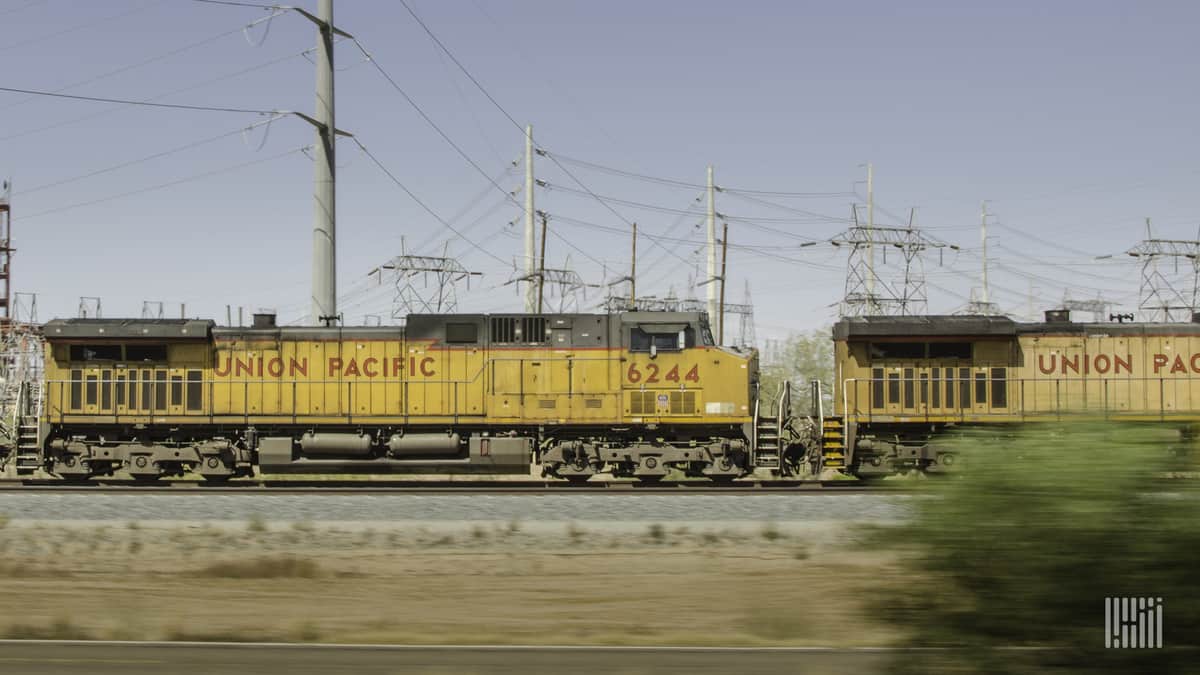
(983, 216)
(324, 263)
(712, 247)
(531, 302)
(871, 304)
(541, 287)
(724, 253)
(633, 272)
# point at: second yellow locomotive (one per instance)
(903, 380)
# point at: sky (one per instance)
(1075, 120)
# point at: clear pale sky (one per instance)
(1075, 119)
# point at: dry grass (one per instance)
(266, 567)
(510, 583)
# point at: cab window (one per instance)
(640, 340)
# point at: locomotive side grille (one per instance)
(546, 403)
(593, 403)
(641, 403)
(683, 402)
(533, 329)
(504, 329)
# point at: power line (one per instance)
(777, 193)
(203, 83)
(459, 64)
(147, 158)
(101, 99)
(234, 3)
(627, 174)
(502, 110)
(168, 184)
(19, 8)
(146, 62)
(78, 27)
(446, 224)
(462, 153)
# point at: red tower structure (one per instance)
(6, 251)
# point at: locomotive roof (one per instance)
(933, 325)
(183, 329)
(129, 329)
(953, 325)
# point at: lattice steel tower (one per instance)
(898, 291)
(1159, 297)
(438, 278)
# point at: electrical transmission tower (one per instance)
(896, 291)
(746, 320)
(1098, 306)
(152, 309)
(89, 307)
(1160, 297)
(424, 284)
(556, 289)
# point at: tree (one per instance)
(1007, 565)
(801, 358)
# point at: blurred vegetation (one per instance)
(277, 567)
(1021, 548)
(801, 358)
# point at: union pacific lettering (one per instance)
(1115, 364)
(335, 367)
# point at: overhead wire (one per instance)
(122, 101)
(147, 158)
(180, 90)
(510, 118)
(82, 26)
(20, 8)
(167, 184)
(446, 224)
(146, 62)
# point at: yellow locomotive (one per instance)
(634, 394)
(900, 380)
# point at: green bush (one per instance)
(1020, 549)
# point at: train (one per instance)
(637, 394)
(634, 394)
(904, 382)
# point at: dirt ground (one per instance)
(440, 583)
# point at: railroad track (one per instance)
(280, 486)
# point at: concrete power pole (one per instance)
(324, 262)
(712, 249)
(531, 292)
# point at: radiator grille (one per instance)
(683, 402)
(641, 403)
(546, 403)
(593, 403)
(674, 403)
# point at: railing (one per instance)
(1162, 397)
